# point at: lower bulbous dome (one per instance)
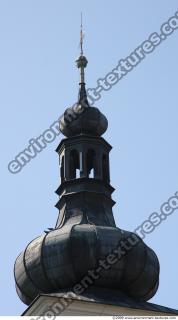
(63, 257)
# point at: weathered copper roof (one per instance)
(85, 233)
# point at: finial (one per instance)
(81, 36)
(81, 63)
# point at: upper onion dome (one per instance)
(91, 121)
(82, 118)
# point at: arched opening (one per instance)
(74, 165)
(90, 159)
(92, 173)
(105, 169)
(77, 173)
(62, 168)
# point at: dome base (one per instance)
(93, 302)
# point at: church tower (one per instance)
(86, 265)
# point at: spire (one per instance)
(81, 63)
(81, 36)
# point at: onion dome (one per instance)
(91, 121)
(82, 118)
(63, 257)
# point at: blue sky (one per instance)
(38, 79)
